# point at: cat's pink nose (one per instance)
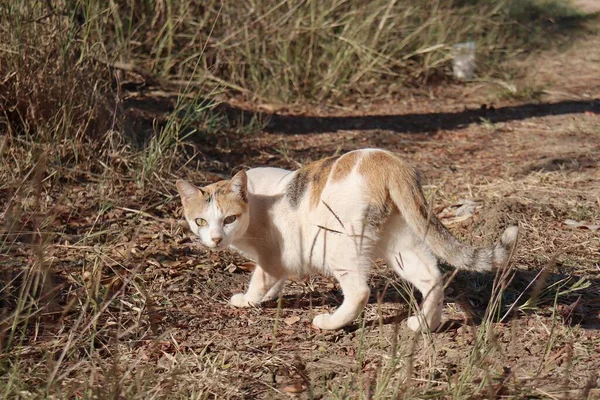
(217, 240)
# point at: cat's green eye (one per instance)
(230, 220)
(201, 222)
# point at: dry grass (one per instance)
(309, 50)
(102, 294)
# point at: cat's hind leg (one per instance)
(274, 292)
(419, 267)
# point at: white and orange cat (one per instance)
(335, 216)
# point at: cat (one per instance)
(335, 216)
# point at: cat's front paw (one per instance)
(239, 300)
(324, 321)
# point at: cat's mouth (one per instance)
(198, 242)
(211, 247)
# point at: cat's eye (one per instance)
(200, 222)
(230, 220)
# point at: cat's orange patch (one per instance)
(310, 178)
(230, 204)
(377, 169)
(344, 165)
(318, 173)
(220, 194)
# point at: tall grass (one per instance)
(49, 90)
(294, 50)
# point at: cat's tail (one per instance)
(409, 199)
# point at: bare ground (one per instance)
(531, 163)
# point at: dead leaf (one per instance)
(154, 263)
(456, 220)
(576, 224)
(296, 387)
(171, 263)
(247, 266)
(268, 108)
(112, 284)
(291, 320)
(459, 212)
(231, 268)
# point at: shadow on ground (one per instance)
(577, 298)
(150, 109)
(413, 123)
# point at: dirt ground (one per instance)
(530, 162)
(589, 6)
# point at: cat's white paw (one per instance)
(239, 300)
(413, 323)
(323, 321)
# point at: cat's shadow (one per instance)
(573, 301)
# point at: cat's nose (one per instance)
(217, 240)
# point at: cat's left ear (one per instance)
(239, 185)
(186, 190)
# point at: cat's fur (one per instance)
(335, 216)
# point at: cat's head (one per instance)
(218, 214)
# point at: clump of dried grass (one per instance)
(60, 125)
(48, 91)
(324, 51)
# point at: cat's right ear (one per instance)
(187, 191)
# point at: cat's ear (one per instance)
(239, 185)
(187, 191)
